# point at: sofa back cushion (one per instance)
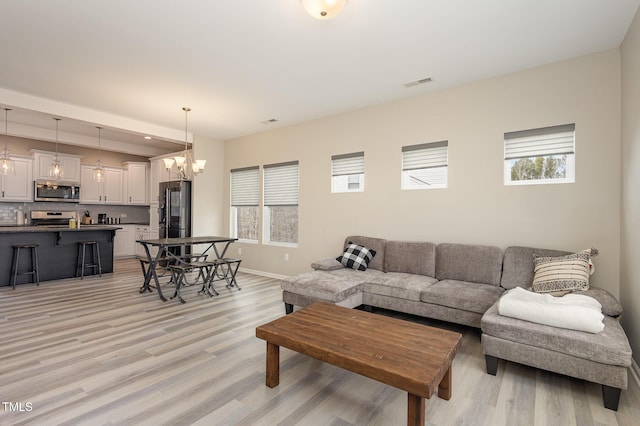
(517, 269)
(410, 257)
(376, 244)
(468, 262)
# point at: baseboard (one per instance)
(635, 371)
(262, 273)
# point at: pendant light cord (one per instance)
(186, 134)
(6, 128)
(57, 121)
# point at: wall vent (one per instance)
(418, 82)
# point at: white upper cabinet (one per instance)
(42, 163)
(111, 191)
(18, 186)
(137, 183)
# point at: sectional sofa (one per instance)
(463, 283)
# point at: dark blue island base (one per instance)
(57, 251)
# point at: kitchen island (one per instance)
(57, 251)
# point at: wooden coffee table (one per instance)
(409, 356)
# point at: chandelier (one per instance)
(323, 9)
(186, 165)
(5, 155)
(55, 170)
(98, 170)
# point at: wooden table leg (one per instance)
(444, 388)
(273, 365)
(415, 410)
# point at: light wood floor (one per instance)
(97, 352)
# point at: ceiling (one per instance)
(131, 66)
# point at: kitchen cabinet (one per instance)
(137, 183)
(19, 185)
(42, 163)
(142, 233)
(124, 243)
(111, 191)
(158, 174)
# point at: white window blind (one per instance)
(245, 186)
(555, 140)
(347, 164)
(424, 166)
(424, 156)
(281, 184)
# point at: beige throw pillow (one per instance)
(565, 273)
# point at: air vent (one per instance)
(418, 82)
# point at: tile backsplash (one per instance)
(134, 214)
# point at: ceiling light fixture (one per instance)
(186, 165)
(98, 171)
(7, 163)
(323, 9)
(55, 170)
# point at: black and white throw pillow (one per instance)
(356, 257)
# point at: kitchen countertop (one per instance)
(56, 228)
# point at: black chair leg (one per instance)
(34, 265)
(14, 269)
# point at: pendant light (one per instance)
(55, 171)
(323, 9)
(187, 166)
(98, 171)
(6, 166)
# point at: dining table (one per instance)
(219, 246)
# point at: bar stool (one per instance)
(35, 275)
(95, 262)
(226, 269)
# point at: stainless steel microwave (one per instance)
(59, 192)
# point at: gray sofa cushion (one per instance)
(517, 270)
(462, 295)
(608, 347)
(377, 244)
(410, 257)
(610, 306)
(400, 285)
(466, 262)
(332, 286)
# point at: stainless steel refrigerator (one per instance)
(175, 210)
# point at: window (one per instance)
(281, 204)
(535, 156)
(245, 196)
(425, 166)
(347, 172)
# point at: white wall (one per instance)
(477, 207)
(630, 243)
(208, 192)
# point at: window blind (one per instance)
(245, 186)
(281, 184)
(424, 156)
(347, 164)
(555, 140)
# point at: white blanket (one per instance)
(572, 311)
